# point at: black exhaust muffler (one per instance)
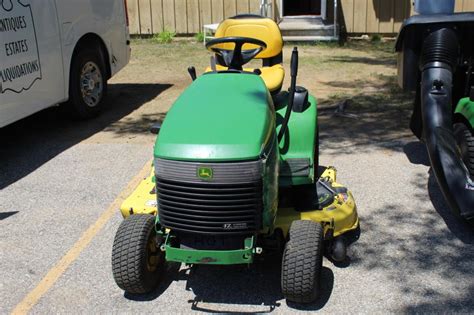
(438, 62)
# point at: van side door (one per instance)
(31, 68)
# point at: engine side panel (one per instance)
(297, 148)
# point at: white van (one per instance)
(53, 51)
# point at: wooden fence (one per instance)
(183, 16)
(188, 16)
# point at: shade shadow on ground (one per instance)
(422, 251)
(385, 61)
(431, 265)
(257, 285)
(5, 215)
(424, 259)
(373, 119)
(417, 154)
(462, 303)
(31, 142)
(223, 289)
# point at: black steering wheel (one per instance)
(235, 59)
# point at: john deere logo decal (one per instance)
(204, 173)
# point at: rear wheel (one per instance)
(87, 84)
(137, 261)
(302, 262)
(465, 143)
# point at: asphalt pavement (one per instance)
(58, 176)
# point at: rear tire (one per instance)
(302, 262)
(465, 141)
(137, 261)
(87, 84)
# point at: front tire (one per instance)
(302, 262)
(87, 84)
(465, 142)
(137, 261)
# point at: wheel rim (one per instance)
(91, 84)
(152, 257)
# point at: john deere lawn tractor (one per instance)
(436, 59)
(235, 174)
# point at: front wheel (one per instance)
(302, 262)
(136, 258)
(87, 84)
(465, 143)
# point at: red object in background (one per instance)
(126, 11)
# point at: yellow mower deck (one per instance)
(340, 216)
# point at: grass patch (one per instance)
(199, 37)
(164, 37)
(376, 38)
(327, 44)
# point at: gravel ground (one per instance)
(57, 177)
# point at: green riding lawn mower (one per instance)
(236, 174)
(436, 59)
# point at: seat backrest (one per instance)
(253, 26)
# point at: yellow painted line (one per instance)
(61, 266)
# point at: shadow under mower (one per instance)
(235, 174)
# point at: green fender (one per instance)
(465, 108)
(299, 143)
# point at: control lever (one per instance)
(291, 96)
(213, 64)
(192, 72)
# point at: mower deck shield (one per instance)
(143, 198)
(337, 218)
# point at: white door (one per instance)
(307, 8)
(31, 68)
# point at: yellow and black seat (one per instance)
(263, 29)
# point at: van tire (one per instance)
(87, 63)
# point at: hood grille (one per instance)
(230, 202)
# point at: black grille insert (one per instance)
(209, 208)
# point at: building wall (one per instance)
(382, 16)
(188, 16)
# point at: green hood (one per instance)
(220, 117)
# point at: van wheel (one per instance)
(87, 84)
(465, 142)
(302, 262)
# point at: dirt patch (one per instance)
(360, 74)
